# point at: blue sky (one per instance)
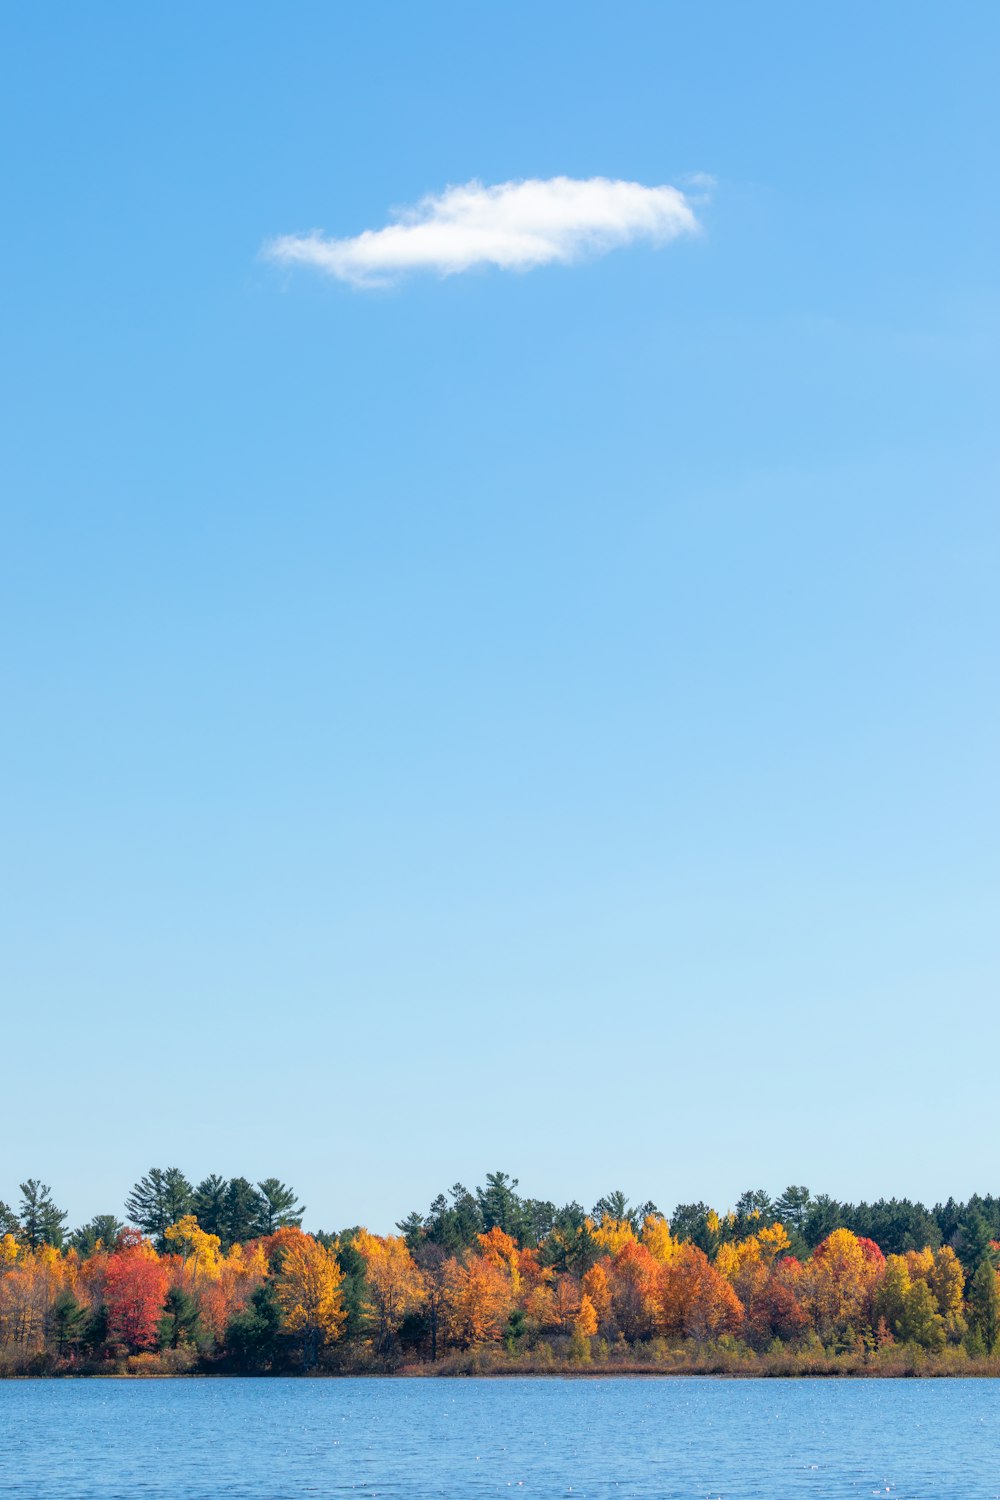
(539, 720)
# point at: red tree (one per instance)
(774, 1312)
(135, 1285)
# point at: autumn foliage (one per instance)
(135, 1286)
(612, 1286)
(696, 1301)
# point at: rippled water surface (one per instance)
(272, 1438)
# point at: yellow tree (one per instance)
(310, 1295)
(539, 1303)
(920, 1297)
(920, 1264)
(199, 1251)
(29, 1286)
(774, 1242)
(839, 1284)
(611, 1234)
(584, 1328)
(9, 1250)
(595, 1287)
(242, 1272)
(394, 1284)
(743, 1266)
(923, 1324)
(227, 1292)
(658, 1240)
(890, 1299)
(10, 1290)
(476, 1300)
(586, 1318)
(17, 1322)
(498, 1248)
(947, 1282)
(716, 1228)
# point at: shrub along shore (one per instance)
(220, 1278)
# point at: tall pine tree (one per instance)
(158, 1200)
(42, 1223)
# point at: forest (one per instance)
(220, 1277)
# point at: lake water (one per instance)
(275, 1439)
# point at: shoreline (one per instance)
(918, 1370)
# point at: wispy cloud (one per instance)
(513, 225)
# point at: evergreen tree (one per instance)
(242, 1212)
(754, 1210)
(158, 1200)
(278, 1208)
(537, 1220)
(499, 1205)
(454, 1225)
(181, 1321)
(412, 1229)
(42, 1223)
(689, 1221)
(790, 1210)
(468, 1218)
(616, 1206)
(252, 1335)
(613, 1205)
(949, 1215)
(9, 1222)
(989, 1207)
(209, 1204)
(917, 1227)
(354, 1287)
(570, 1218)
(102, 1229)
(973, 1241)
(95, 1332)
(69, 1323)
(822, 1218)
(570, 1246)
(896, 1225)
(792, 1207)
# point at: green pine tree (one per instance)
(181, 1322)
(69, 1323)
(42, 1223)
(252, 1338)
(209, 1204)
(158, 1200)
(103, 1229)
(974, 1241)
(500, 1206)
(242, 1211)
(278, 1208)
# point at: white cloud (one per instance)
(514, 225)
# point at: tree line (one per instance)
(235, 1210)
(238, 1210)
(219, 1274)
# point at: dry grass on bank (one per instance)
(658, 1359)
